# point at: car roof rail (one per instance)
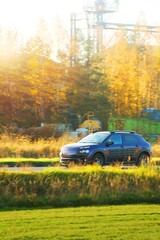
(125, 131)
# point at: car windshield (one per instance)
(97, 137)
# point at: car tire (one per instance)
(98, 158)
(143, 159)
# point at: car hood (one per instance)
(79, 145)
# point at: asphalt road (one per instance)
(18, 169)
(39, 169)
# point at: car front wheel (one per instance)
(98, 158)
(143, 159)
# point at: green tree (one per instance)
(87, 92)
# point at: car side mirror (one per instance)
(109, 142)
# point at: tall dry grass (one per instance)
(23, 147)
(156, 150)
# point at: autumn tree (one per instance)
(130, 75)
(46, 80)
(9, 73)
(122, 79)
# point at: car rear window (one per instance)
(130, 139)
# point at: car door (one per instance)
(130, 146)
(114, 148)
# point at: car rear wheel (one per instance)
(143, 159)
(98, 158)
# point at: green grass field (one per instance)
(124, 222)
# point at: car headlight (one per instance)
(86, 151)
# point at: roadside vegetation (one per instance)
(136, 222)
(75, 186)
(78, 186)
(23, 147)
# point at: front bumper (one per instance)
(65, 161)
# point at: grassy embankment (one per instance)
(136, 222)
(89, 185)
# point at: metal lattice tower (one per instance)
(97, 11)
(96, 16)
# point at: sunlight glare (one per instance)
(24, 14)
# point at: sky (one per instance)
(130, 11)
(23, 15)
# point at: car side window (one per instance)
(130, 139)
(116, 138)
